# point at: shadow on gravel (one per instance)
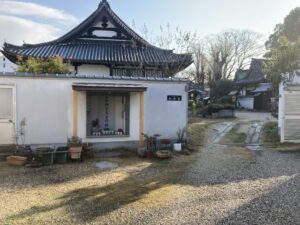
(233, 167)
(22, 177)
(86, 204)
(279, 206)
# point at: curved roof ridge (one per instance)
(104, 5)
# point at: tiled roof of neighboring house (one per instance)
(241, 74)
(86, 43)
(194, 88)
(253, 75)
(263, 87)
(234, 92)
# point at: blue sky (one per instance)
(41, 20)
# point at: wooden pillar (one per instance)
(75, 113)
(142, 112)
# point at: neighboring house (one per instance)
(121, 87)
(196, 93)
(289, 111)
(6, 65)
(253, 92)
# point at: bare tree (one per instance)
(220, 51)
(232, 50)
(217, 57)
(247, 44)
(173, 39)
(198, 73)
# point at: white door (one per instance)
(291, 119)
(7, 114)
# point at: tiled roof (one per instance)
(92, 77)
(263, 87)
(254, 75)
(131, 50)
(100, 52)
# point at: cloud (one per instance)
(20, 8)
(16, 30)
(32, 23)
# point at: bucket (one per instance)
(47, 158)
(46, 155)
(178, 147)
(61, 155)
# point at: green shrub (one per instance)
(224, 100)
(221, 88)
(191, 104)
(270, 131)
(52, 65)
(215, 108)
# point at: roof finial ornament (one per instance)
(104, 2)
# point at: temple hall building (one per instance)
(120, 87)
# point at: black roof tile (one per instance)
(134, 51)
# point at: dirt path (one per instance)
(235, 185)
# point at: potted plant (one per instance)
(180, 143)
(163, 154)
(75, 147)
(16, 160)
(22, 155)
(151, 144)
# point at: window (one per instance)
(6, 99)
(107, 114)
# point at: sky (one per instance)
(37, 21)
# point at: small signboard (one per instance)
(174, 98)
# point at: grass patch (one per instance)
(270, 132)
(234, 137)
(197, 133)
(239, 151)
(272, 139)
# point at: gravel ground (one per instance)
(217, 185)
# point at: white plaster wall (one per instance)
(104, 33)
(86, 69)
(296, 79)
(6, 65)
(246, 102)
(165, 117)
(47, 105)
(243, 92)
